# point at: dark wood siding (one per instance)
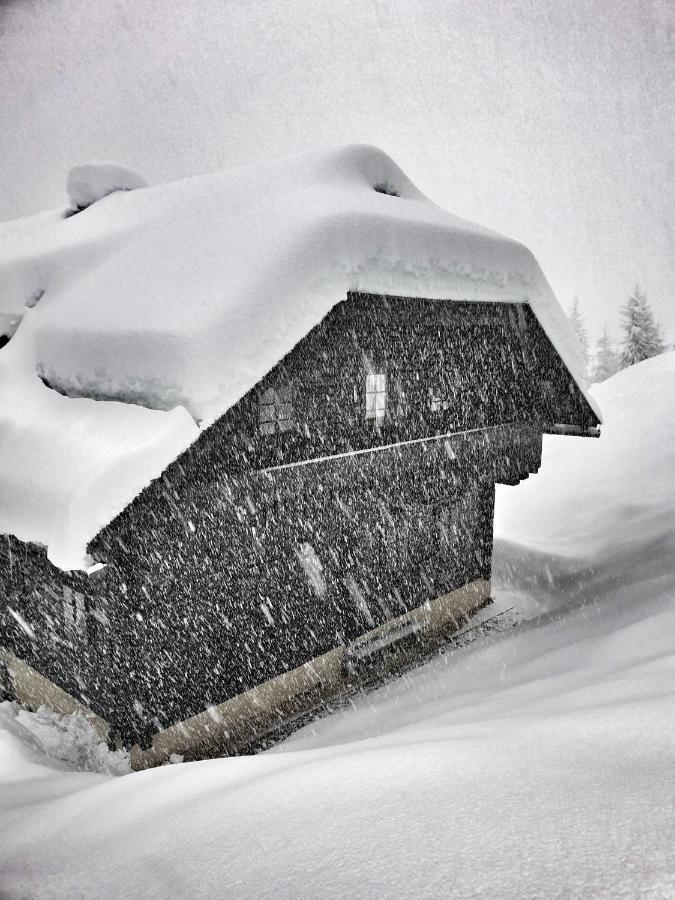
(247, 558)
(488, 363)
(204, 593)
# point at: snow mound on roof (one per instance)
(87, 184)
(187, 294)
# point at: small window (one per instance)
(437, 403)
(376, 396)
(311, 565)
(275, 410)
(402, 407)
(74, 613)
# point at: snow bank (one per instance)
(87, 184)
(186, 294)
(617, 498)
(69, 742)
(537, 762)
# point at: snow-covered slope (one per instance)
(601, 494)
(538, 762)
(185, 295)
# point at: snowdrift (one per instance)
(162, 306)
(537, 762)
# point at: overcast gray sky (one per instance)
(552, 122)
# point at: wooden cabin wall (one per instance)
(449, 367)
(205, 592)
(88, 655)
(227, 602)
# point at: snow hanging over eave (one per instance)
(168, 303)
(69, 466)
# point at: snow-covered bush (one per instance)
(73, 740)
(87, 184)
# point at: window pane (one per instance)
(376, 395)
(275, 410)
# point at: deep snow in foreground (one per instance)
(537, 762)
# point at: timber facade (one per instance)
(353, 485)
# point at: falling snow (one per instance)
(535, 760)
(148, 329)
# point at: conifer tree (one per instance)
(642, 336)
(607, 361)
(577, 321)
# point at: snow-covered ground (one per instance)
(535, 762)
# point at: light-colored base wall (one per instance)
(34, 690)
(240, 721)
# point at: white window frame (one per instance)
(376, 396)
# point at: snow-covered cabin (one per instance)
(251, 428)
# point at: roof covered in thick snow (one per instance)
(178, 298)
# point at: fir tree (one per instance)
(642, 337)
(607, 361)
(577, 321)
